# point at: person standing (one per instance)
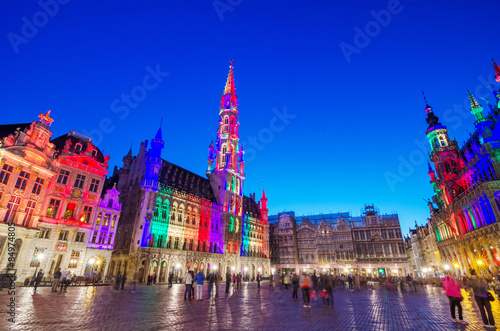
(411, 285)
(210, 280)
(170, 279)
(63, 280)
(314, 279)
(349, 282)
(286, 281)
(480, 287)
(258, 280)
(452, 291)
(277, 284)
(192, 283)
(305, 284)
(57, 279)
(296, 285)
(188, 283)
(217, 283)
(228, 281)
(199, 278)
(357, 281)
(67, 281)
(124, 278)
(38, 279)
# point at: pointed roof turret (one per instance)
(497, 71)
(158, 133)
(473, 101)
(430, 168)
(230, 88)
(263, 195)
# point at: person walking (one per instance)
(258, 280)
(286, 281)
(329, 288)
(67, 281)
(228, 281)
(480, 287)
(305, 284)
(118, 281)
(217, 283)
(357, 281)
(57, 280)
(238, 281)
(452, 291)
(124, 279)
(411, 285)
(277, 283)
(63, 280)
(38, 278)
(314, 279)
(199, 278)
(296, 285)
(188, 283)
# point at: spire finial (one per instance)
(497, 71)
(425, 100)
(473, 102)
(230, 89)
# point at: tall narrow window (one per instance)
(94, 185)
(79, 181)
(87, 214)
(106, 219)
(38, 186)
(98, 221)
(53, 208)
(113, 222)
(12, 208)
(30, 210)
(63, 177)
(22, 180)
(5, 174)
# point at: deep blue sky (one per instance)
(355, 120)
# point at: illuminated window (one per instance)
(176, 244)
(79, 181)
(38, 186)
(12, 208)
(73, 262)
(5, 174)
(53, 208)
(63, 177)
(113, 222)
(22, 180)
(87, 214)
(98, 221)
(106, 219)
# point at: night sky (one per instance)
(331, 109)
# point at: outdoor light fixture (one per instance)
(177, 265)
(479, 262)
(446, 267)
(232, 268)
(91, 261)
(424, 269)
(214, 267)
(40, 256)
(456, 265)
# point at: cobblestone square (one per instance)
(160, 308)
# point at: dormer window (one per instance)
(78, 147)
(94, 153)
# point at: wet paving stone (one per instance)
(162, 308)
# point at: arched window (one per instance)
(225, 125)
(110, 203)
(180, 217)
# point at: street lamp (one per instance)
(479, 262)
(456, 266)
(446, 267)
(272, 271)
(233, 268)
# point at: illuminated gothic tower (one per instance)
(445, 155)
(225, 160)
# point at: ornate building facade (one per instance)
(466, 186)
(175, 220)
(370, 244)
(51, 191)
(422, 251)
